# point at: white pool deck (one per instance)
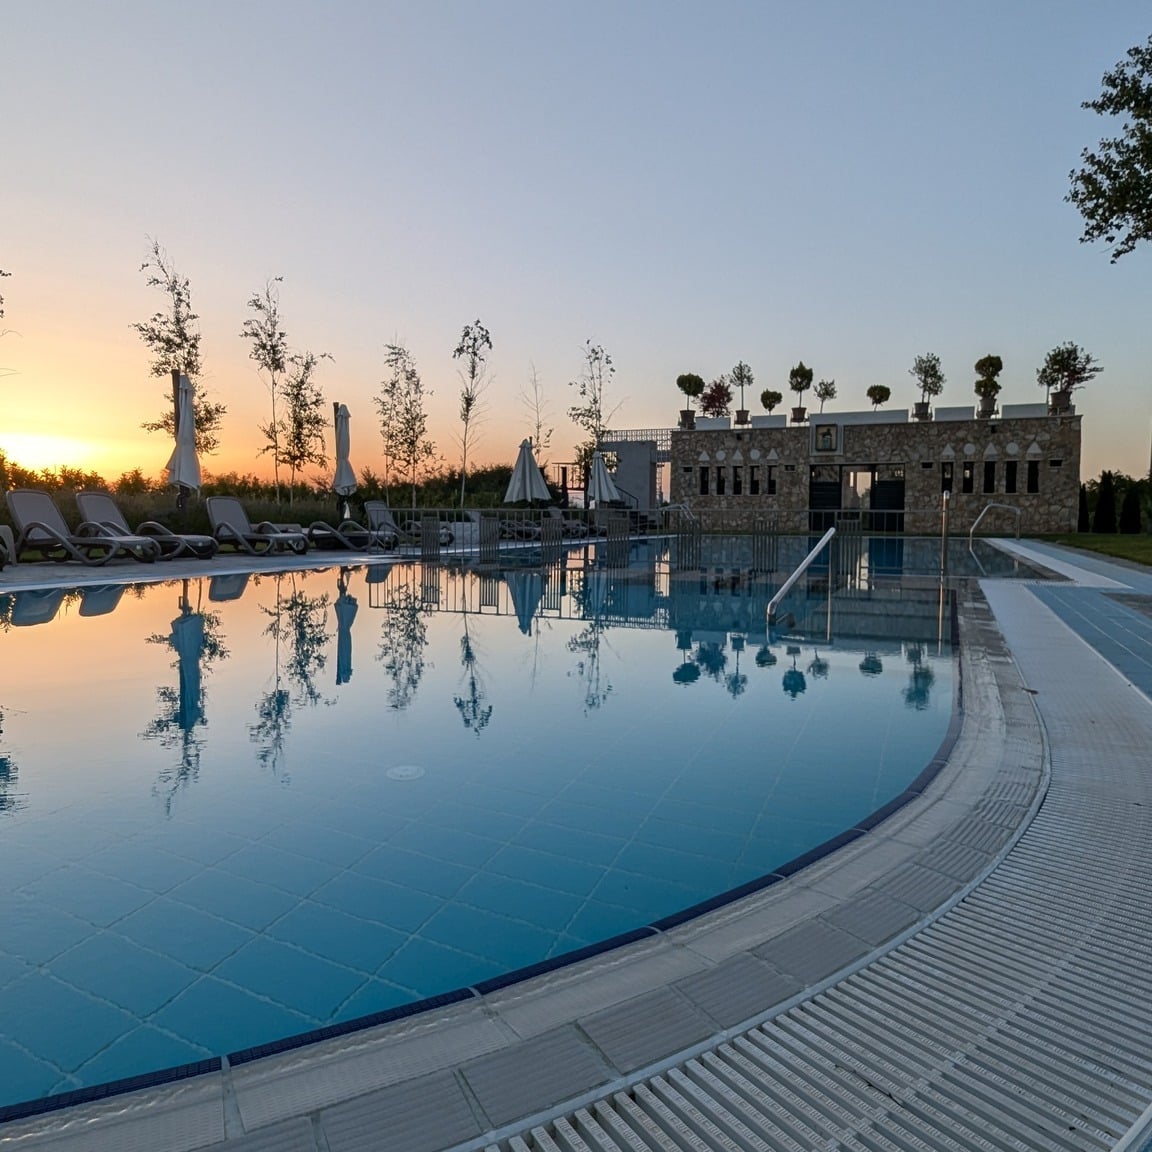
(973, 973)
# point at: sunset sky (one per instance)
(687, 184)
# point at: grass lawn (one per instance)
(1137, 548)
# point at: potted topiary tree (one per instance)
(799, 380)
(770, 399)
(741, 377)
(1066, 368)
(879, 394)
(929, 378)
(717, 398)
(825, 390)
(987, 387)
(691, 385)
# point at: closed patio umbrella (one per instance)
(526, 482)
(183, 465)
(344, 482)
(600, 486)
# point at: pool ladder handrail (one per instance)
(987, 509)
(786, 587)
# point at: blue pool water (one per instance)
(234, 810)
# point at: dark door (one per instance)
(825, 499)
(888, 506)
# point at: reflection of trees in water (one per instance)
(793, 681)
(918, 694)
(472, 706)
(9, 800)
(198, 643)
(736, 681)
(403, 638)
(711, 658)
(298, 622)
(589, 670)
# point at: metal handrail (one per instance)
(786, 587)
(988, 508)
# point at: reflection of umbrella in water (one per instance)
(526, 588)
(345, 609)
(794, 682)
(187, 642)
(600, 486)
(526, 483)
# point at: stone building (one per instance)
(892, 471)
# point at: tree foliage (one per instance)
(824, 391)
(800, 379)
(301, 432)
(1130, 511)
(988, 368)
(691, 384)
(717, 398)
(742, 378)
(1066, 368)
(1105, 518)
(928, 375)
(592, 414)
(475, 344)
(1113, 189)
(403, 419)
(1083, 520)
(2, 275)
(269, 350)
(879, 394)
(770, 399)
(172, 336)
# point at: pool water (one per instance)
(234, 810)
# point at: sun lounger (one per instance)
(100, 599)
(100, 509)
(40, 526)
(232, 529)
(350, 535)
(381, 520)
(7, 546)
(569, 526)
(36, 606)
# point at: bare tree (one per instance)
(533, 399)
(475, 343)
(403, 420)
(270, 352)
(173, 338)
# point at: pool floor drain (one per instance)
(405, 772)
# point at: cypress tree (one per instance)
(1130, 510)
(1083, 524)
(1105, 520)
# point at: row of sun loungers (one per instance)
(104, 533)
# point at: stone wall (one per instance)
(744, 458)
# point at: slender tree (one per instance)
(741, 377)
(1113, 189)
(1083, 521)
(172, 336)
(475, 344)
(302, 433)
(825, 390)
(929, 378)
(270, 352)
(535, 402)
(799, 381)
(403, 419)
(3, 274)
(691, 384)
(1105, 518)
(592, 414)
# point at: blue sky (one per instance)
(687, 184)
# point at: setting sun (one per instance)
(36, 452)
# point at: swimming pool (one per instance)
(239, 809)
